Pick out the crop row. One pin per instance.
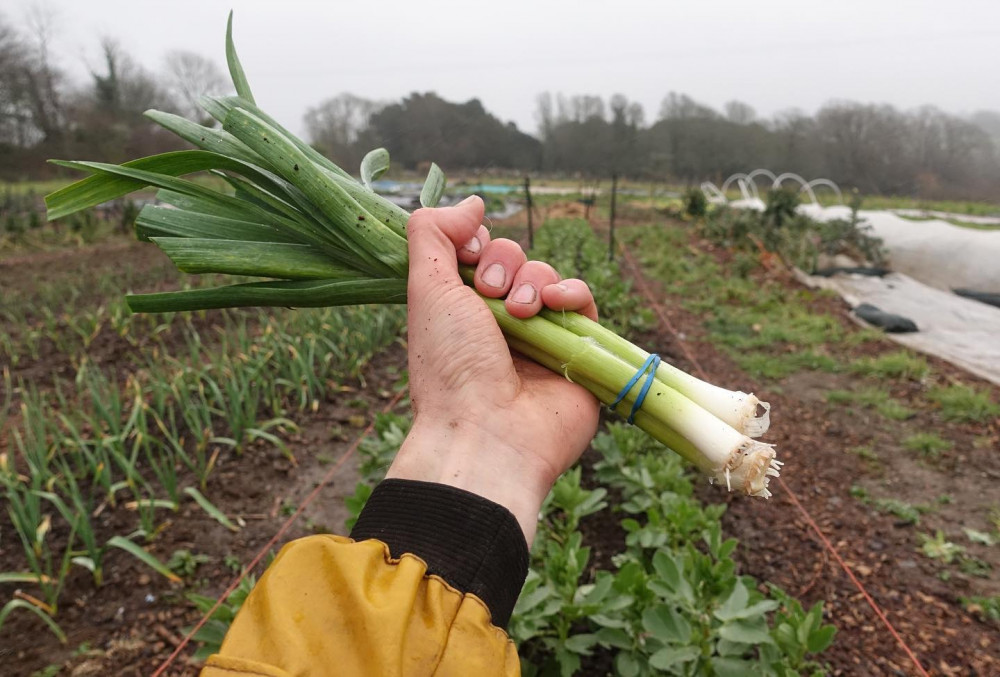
(140, 442)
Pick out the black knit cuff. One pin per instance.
(474, 544)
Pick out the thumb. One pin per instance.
(434, 235)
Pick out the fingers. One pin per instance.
(471, 251)
(435, 235)
(525, 299)
(573, 295)
(498, 264)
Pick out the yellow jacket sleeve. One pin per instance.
(402, 603)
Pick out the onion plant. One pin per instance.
(321, 238)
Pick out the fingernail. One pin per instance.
(494, 276)
(524, 294)
(472, 246)
(467, 200)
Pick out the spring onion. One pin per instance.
(323, 238)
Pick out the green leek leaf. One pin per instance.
(259, 259)
(235, 67)
(164, 222)
(374, 165)
(297, 294)
(149, 560)
(21, 604)
(208, 507)
(433, 188)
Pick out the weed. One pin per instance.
(986, 607)
(906, 512)
(973, 566)
(184, 563)
(964, 403)
(927, 445)
(939, 548)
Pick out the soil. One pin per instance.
(129, 625)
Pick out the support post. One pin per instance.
(527, 199)
(611, 229)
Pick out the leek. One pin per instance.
(324, 239)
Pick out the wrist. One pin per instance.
(467, 456)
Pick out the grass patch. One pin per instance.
(872, 398)
(898, 364)
(964, 403)
(928, 445)
(862, 336)
(763, 365)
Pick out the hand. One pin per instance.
(492, 423)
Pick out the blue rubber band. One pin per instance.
(652, 361)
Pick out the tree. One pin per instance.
(336, 125)
(424, 128)
(682, 107)
(190, 76)
(108, 122)
(739, 113)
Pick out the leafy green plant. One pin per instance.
(377, 451)
(211, 634)
(671, 606)
(695, 203)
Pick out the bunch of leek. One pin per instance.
(325, 239)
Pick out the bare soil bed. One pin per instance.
(813, 438)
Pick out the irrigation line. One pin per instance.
(327, 478)
(668, 325)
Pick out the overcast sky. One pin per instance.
(772, 55)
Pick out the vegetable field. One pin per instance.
(145, 460)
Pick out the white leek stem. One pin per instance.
(736, 408)
(718, 450)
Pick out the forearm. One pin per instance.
(469, 456)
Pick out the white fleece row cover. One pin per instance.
(959, 330)
(935, 252)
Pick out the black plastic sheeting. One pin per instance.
(981, 296)
(896, 324)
